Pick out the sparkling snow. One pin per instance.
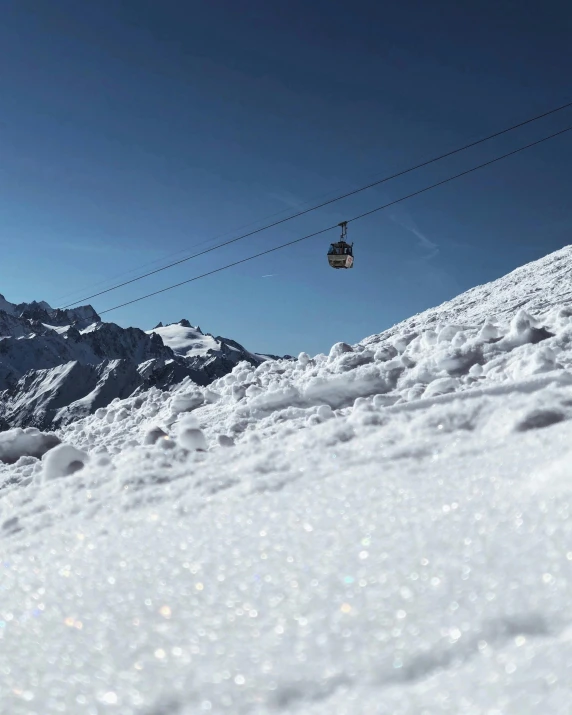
(383, 530)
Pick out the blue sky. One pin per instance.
(134, 130)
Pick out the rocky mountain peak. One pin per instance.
(71, 362)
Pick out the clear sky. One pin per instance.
(133, 130)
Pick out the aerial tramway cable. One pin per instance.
(330, 228)
(325, 203)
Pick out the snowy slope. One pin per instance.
(216, 356)
(58, 365)
(535, 287)
(184, 339)
(383, 530)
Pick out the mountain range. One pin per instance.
(59, 365)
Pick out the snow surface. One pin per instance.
(382, 530)
(186, 341)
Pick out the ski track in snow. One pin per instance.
(383, 530)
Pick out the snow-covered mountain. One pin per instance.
(58, 365)
(383, 530)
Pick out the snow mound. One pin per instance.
(28, 442)
(63, 460)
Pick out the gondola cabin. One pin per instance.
(341, 254)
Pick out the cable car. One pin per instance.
(341, 254)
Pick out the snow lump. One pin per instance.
(29, 442)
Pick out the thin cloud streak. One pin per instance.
(406, 222)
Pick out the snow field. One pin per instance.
(384, 530)
(185, 340)
(279, 396)
(418, 566)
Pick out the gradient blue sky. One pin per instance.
(132, 130)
